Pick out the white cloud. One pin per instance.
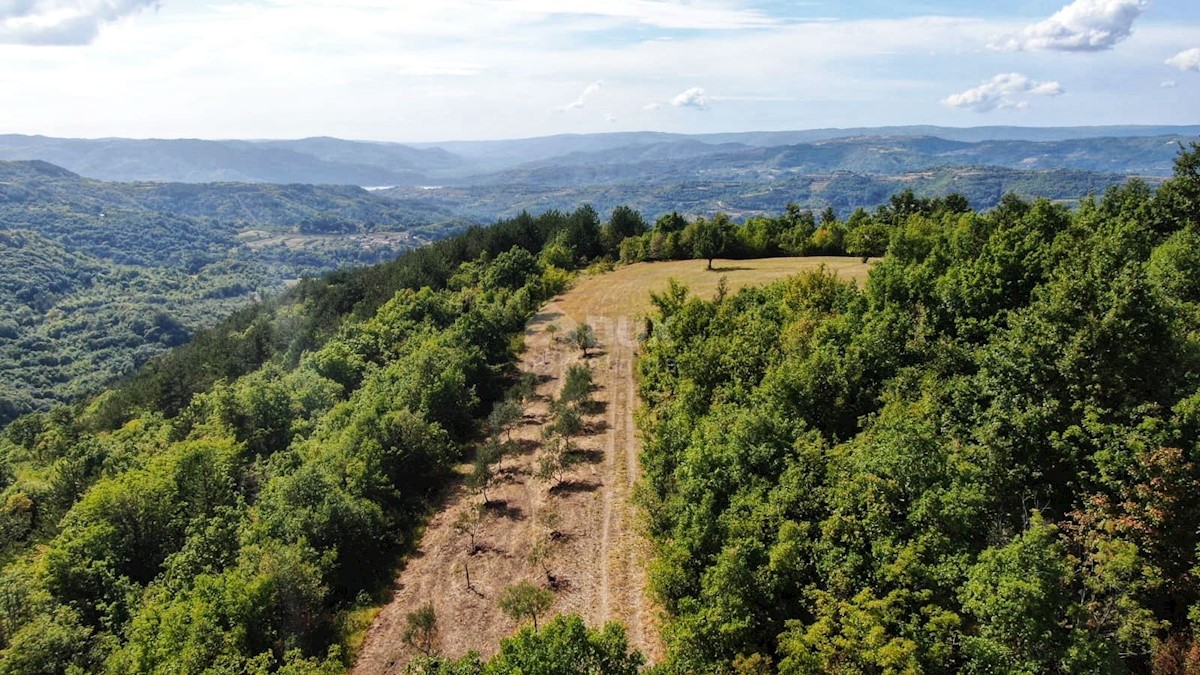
(1188, 59)
(1168, 84)
(692, 98)
(1082, 26)
(588, 91)
(1002, 91)
(61, 22)
(610, 118)
(410, 71)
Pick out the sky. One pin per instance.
(428, 70)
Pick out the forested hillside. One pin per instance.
(705, 188)
(984, 461)
(235, 505)
(325, 160)
(97, 277)
(981, 461)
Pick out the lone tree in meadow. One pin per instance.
(558, 455)
(505, 417)
(577, 386)
(712, 237)
(526, 600)
(483, 474)
(421, 630)
(584, 337)
(525, 389)
(467, 525)
(540, 555)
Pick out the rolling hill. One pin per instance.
(334, 161)
(97, 277)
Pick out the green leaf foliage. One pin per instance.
(984, 460)
(228, 507)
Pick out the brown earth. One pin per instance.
(599, 561)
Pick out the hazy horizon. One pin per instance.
(440, 141)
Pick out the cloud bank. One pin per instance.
(61, 22)
(1082, 26)
(1002, 91)
(1188, 59)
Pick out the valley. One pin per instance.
(649, 337)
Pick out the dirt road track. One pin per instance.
(602, 559)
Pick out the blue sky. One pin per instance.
(411, 70)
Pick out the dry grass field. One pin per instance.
(600, 558)
(625, 292)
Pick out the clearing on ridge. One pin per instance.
(598, 555)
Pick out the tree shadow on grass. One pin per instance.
(502, 509)
(589, 456)
(574, 486)
(522, 446)
(595, 428)
(593, 407)
(510, 475)
(557, 583)
(546, 317)
(730, 268)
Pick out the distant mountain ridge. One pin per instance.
(324, 160)
(545, 147)
(310, 161)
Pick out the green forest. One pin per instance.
(984, 461)
(234, 505)
(981, 461)
(95, 278)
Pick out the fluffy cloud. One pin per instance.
(1082, 26)
(61, 22)
(1002, 91)
(583, 97)
(1168, 84)
(1188, 59)
(692, 98)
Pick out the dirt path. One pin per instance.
(597, 561)
(600, 560)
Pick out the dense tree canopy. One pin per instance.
(231, 507)
(983, 461)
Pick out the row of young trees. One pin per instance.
(795, 232)
(565, 644)
(985, 461)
